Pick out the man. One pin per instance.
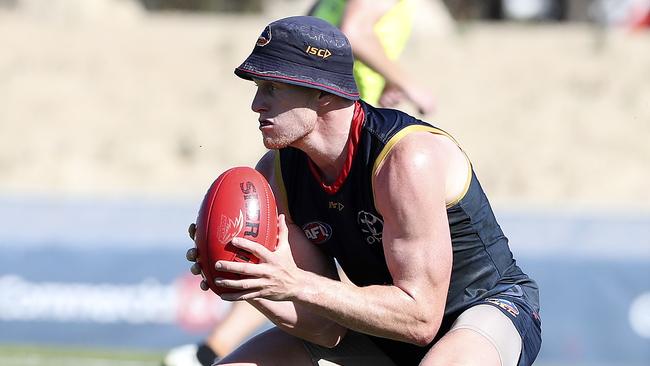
(395, 202)
(379, 30)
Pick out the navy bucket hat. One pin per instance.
(305, 51)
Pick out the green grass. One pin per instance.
(22, 355)
(28, 355)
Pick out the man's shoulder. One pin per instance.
(385, 123)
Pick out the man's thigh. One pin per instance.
(272, 347)
(482, 335)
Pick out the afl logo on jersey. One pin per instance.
(318, 232)
(264, 38)
(371, 226)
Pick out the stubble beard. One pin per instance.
(289, 137)
(276, 142)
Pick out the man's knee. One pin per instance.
(482, 335)
(462, 347)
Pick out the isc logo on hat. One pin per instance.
(320, 52)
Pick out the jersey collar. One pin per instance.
(353, 141)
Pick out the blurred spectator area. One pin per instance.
(550, 10)
(605, 11)
(7, 4)
(234, 6)
(460, 9)
(601, 11)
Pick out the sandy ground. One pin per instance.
(145, 105)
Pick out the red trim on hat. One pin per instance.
(298, 80)
(353, 141)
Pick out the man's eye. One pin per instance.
(268, 88)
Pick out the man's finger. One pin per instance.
(192, 254)
(195, 269)
(204, 286)
(248, 269)
(192, 230)
(283, 229)
(247, 284)
(256, 249)
(239, 296)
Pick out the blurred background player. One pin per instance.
(378, 31)
(241, 322)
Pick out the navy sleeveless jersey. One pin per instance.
(345, 224)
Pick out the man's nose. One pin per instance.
(258, 103)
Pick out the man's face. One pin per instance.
(287, 113)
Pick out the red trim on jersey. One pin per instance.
(353, 140)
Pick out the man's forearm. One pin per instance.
(383, 311)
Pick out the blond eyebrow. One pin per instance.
(267, 82)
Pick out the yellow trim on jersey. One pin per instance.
(468, 181)
(279, 181)
(379, 161)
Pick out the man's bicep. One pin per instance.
(419, 264)
(410, 195)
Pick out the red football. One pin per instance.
(239, 203)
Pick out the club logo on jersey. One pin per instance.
(230, 228)
(318, 232)
(264, 38)
(371, 226)
(506, 305)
